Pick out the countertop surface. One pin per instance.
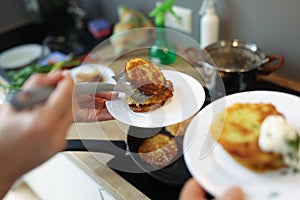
(115, 130)
(125, 185)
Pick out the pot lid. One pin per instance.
(235, 56)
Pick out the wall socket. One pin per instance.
(184, 23)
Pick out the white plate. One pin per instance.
(187, 99)
(105, 71)
(20, 56)
(216, 171)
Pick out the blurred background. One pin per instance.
(272, 24)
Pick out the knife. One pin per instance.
(22, 99)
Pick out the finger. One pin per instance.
(192, 191)
(65, 123)
(234, 193)
(85, 101)
(104, 115)
(91, 102)
(99, 103)
(43, 80)
(61, 130)
(92, 115)
(60, 101)
(107, 95)
(81, 115)
(86, 115)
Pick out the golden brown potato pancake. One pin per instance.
(145, 76)
(149, 80)
(159, 150)
(237, 129)
(178, 129)
(154, 102)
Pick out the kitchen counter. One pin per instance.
(83, 165)
(121, 185)
(117, 184)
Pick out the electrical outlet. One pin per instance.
(184, 23)
(31, 6)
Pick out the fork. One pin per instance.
(22, 99)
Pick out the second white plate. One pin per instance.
(216, 171)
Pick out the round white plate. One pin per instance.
(106, 72)
(216, 171)
(187, 99)
(20, 56)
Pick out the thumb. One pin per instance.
(233, 193)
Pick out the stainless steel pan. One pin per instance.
(237, 62)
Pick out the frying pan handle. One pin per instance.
(268, 68)
(113, 147)
(117, 148)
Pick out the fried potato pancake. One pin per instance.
(159, 149)
(154, 102)
(178, 129)
(237, 129)
(145, 76)
(149, 80)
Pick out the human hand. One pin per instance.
(192, 190)
(90, 108)
(30, 137)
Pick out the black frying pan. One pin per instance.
(174, 174)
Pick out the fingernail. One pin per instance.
(66, 72)
(54, 73)
(114, 95)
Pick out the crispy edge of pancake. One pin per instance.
(144, 75)
(271, 162)
(154, 102)
(178, 129)
(245, 149)
(159, 149)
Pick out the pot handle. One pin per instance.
(268, 68)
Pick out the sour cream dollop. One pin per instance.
(278, 136)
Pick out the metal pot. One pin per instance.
(238, 64)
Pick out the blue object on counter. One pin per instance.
(54, 57)
(99, 28)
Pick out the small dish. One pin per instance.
(105, 72)
(20, 56)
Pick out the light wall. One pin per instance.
(272, 24)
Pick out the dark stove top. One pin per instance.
(155, 189)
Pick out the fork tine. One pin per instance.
(125, 86)
(139, 97)
(118, 76)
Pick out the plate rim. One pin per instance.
(106, 69)
(187, 149)
(9, 51)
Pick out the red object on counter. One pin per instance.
(99, 28)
